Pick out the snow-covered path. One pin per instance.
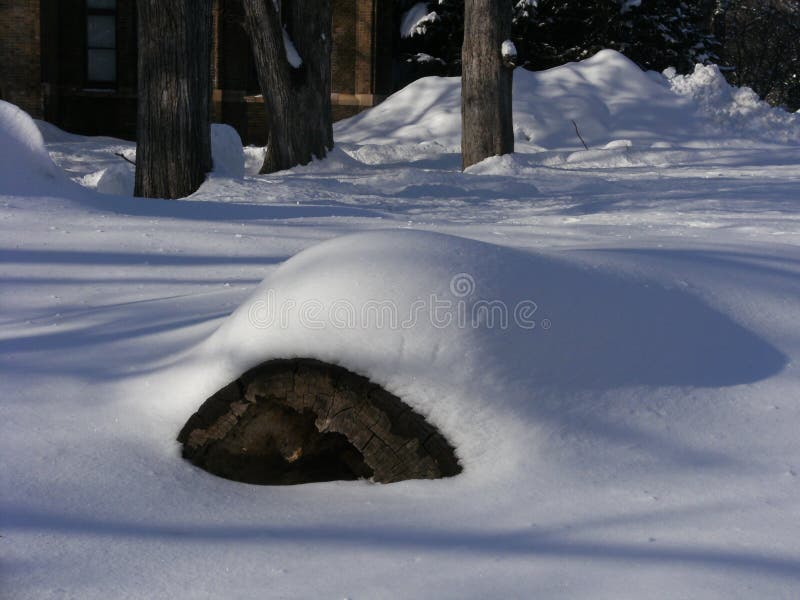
(626, 483)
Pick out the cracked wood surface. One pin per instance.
(300, 420)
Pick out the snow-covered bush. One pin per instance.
(736, 110)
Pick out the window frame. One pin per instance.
(100, 12)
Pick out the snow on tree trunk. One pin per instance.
(173, 128)
(293, 61)
(486, 81)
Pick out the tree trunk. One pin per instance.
(173, 152)
(297, 98)
(486, 116)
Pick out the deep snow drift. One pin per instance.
(611, 101)
(607, 96)
(472, 334)
(24, 161)
(639, 440)
(116, 158)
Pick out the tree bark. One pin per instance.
(486, 115)
(173, 152)
(302, 420)
(297, 99)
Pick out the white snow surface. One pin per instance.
(24, 161)
(119, 179)
(639, 441)
(733, 108)
(98, 166)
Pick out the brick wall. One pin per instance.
(20, 67)
(343, 52)
(49, 80)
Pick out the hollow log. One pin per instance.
(302, 420)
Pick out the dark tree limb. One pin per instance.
(173, 151)
(125, 158)
(578, 133)
(486, 114)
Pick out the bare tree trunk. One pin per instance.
(486, 77)
(297, 97)
(173, 152)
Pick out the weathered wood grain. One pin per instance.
(302, 420)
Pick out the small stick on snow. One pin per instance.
(123, 157)
(579, 134)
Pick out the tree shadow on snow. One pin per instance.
(559, 543)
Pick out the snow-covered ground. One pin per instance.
(640, 441)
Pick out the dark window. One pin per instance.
(101, 41)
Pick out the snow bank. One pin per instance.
(25, 165)
(53, 134)
(735, 110)
(471, 334)
(119, 180)
(606, 96)
(227, 151)
(337, 160)
(427, 109)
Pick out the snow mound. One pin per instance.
(53, 134)
(25, 165)
(472, 335)
(254, 159)
(336, 161)
(427, 109)
(119, 180)
(513, 165)
(734, 109)
(607, 97)
(227, 151)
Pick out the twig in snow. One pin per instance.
(123, 157)
(579, 134)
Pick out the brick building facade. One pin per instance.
(73, 63)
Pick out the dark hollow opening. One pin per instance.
(274, 444)
(302, 420)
